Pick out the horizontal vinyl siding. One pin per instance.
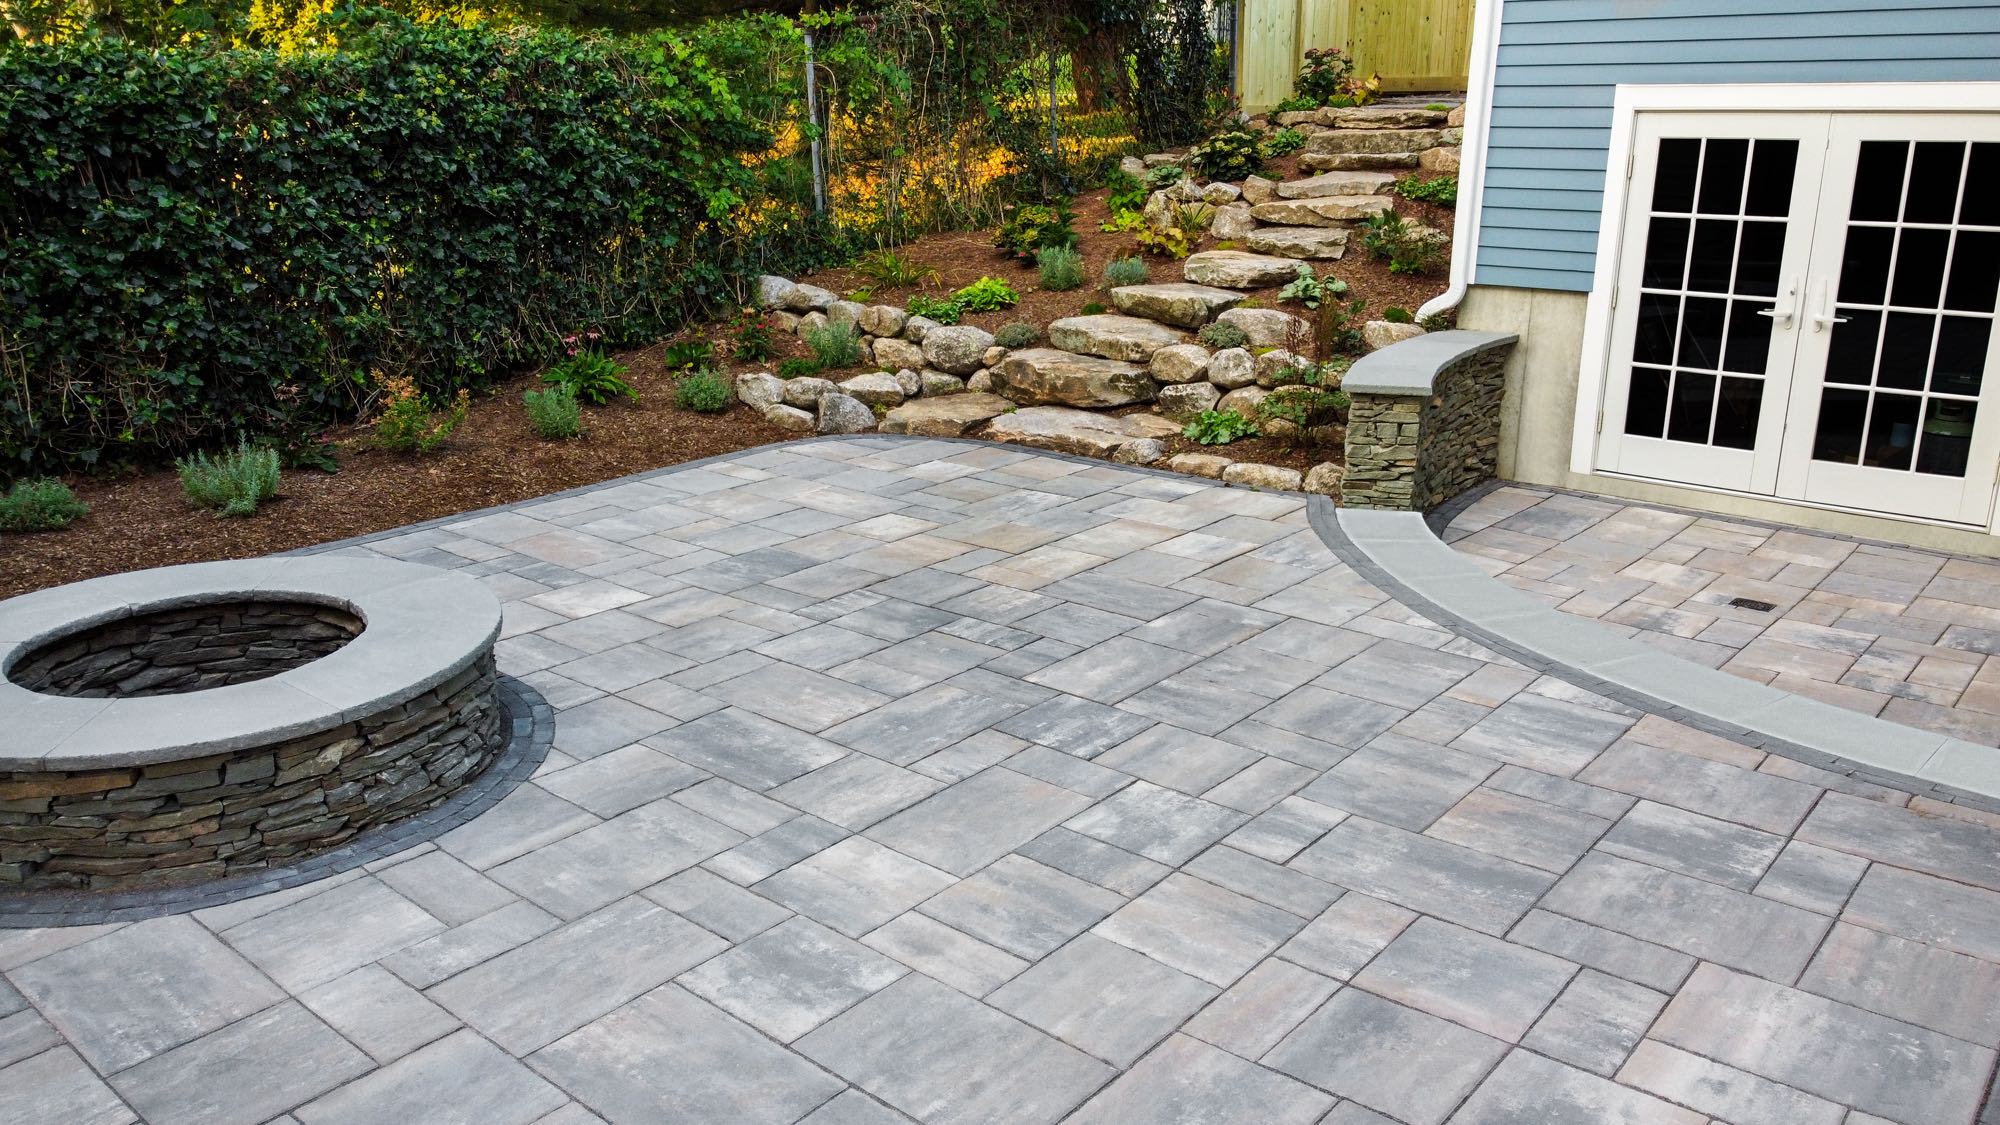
(1560, 60)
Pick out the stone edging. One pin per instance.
(531, 730)
(423, 626)
(1411, 367)
(1398, 552)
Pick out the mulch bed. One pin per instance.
(141, 520)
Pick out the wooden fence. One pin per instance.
(1412, 44)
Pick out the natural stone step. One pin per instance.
(1235, 269)
(1181, 304)
(1325, 211)
(1440, 161)
(1266, 328)
(1129, 338)
(1046, 376)
(1066, 430)
(949, 416)
(1374, 140)
(1358, 161)
(1336, 183)
(1312, 243)
(1380, 117)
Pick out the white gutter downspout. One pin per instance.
(1484, 62)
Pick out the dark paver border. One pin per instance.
(531, 730)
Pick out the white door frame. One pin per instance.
(1629, 101)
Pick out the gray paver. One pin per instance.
(1489, 985)
(1526, 1089)
(1460, 885)
(379, 1013)
(1024, 907)
(855, 885)
(938, 951)
(791, 978)
(243, 1074)
(1187, 1082)
(1724, 1091)
(600, 865)
(1400, 781)
(1156, 822)
(1200, 928)
(1102, 997)
(1692, 844)
(1596, 1022)
(1411, 1066)
(57, 1086)
(978, 820)
(1261, 1008)
(459, 1080)
(747, 749)
(856, 791)
(1910, 981)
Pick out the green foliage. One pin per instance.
(988, 294)
(944, 310)
(834, 345)
(1229, 155)
(1127, 192)
(1338, 331)
(188, 231)
(1437, 189)
(1036, 226)
(1180, 74)
(888, 268)
(1438, 107)
(1061, 267)
(1284, 142)
(1092, 308)
(596, 378)
(1125, 271)
(554, 412)
(798, 368)
(1221, 337)
(1396, 314)
(40, 505)
(703, 392)
(1297, 103)
(1218, 427)
(1173, 242)
(1123, 221)
(688, 355)
(231, 483)
(1308, 404)
(1326, 77)
(409, 424)
(1310, 290)
(752, 336)
(1408, 247)
(1439, 322)
(1163, 176)
(1017, 335)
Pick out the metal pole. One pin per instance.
(812, 125)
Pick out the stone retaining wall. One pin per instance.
(1424, 422)
(202, 818)
(189, 649)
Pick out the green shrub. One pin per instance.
(1127, 192)
(40, 505)
(1125, 271)
(1218, 427)
(1396, 314)
(554, 412)
(752, 336)
(944, 310)
(1169, 242)
(189, 232)
(1092, 308)
(798, 368)
(1220, 336)
(1284, 142)
(1408, 247)
(409, 424)
(1164, 176)
(594, 377)
(1437, 189)
(1323, 75)
(886, 267)
(1229, 155)
(231, 483)
(835, 345)
(703, 392)
(988, 294)
(1439, 322)
(1297, 103)
(1036, 226)
(1017, 335)
(1338, 328)
(1061, 267)
(688, 355)
(1310, 290)
(1308, 405)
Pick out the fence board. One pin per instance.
(1412, 44)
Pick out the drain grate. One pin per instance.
(1752, 603)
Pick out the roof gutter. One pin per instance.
(1484, 61)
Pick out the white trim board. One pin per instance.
(1631, 100)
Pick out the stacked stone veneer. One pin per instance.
(189, 649)
(1424, 423)
(201, 818)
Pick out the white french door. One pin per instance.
(1804, 308)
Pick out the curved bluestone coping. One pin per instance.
(421, 627)
(1410, 367)
(1424, 571)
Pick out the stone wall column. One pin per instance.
(1424, 421)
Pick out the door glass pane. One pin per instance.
(1919, 268)
(1758, 258)
(1842, 413)
(1714, 251)
(1934, 175)
(1960, 366)
(1906, 351)
(1694, 403)
(1878, 181)
(1892, 432)
(1975, 270)
(1722, 168)
(1947, 437)
(1701, 332)
(1980, 205)
(1736, 412)
(1673, 182)
(1646, 409)
(1659, 319)
(1864, 267)
(1666, 254)
(1771, 173)
(1749, 346)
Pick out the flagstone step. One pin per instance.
(1360, 161)
(1374, 140)
(1236, 269)
(1324, 211)
(1052, 377)
(1129, 338)
(1181, 304)
(1133, 437)
(1336, 183)
(1311, 243)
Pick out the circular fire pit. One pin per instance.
(174, 725)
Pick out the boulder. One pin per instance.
(895, 354)
(1133, 167)
(1208, 465)
(1383, 162)
(1323, 211)
(788, 418)
(809, 298)
(1452, 138)
(774, 292)
(1130, 338)
(949, 416)
(759, 389)
(1231, 368)
(1220, 194)
(1293, 117)
(846, 312)
(805, 391)
(1045, 376)
(1067, 430)
(1381, 117)
(1374, 140)
(1324, 478)
(1442, 161)
(1456, 118)
(1337, 183)
(980, 382)
(1257, 189)
(877, 388)
(1154, 160)
(1182, 363)
(1244, 401)
(1140, 451)
(1379, 334)
(917, 327)
(883, 320)
(1267, 328)
(783, 321)
(1279, 367)
(1234, 269)
(993, 355)
(911, 382)
(1182, 304)
(936, 383)
(1185, 400)
(1232, 223)
(1261, 476)
(956, 349)
(1310, 243)
(809, 322)
(844, 414)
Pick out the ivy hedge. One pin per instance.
(202, 243)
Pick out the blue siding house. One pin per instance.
(1753, 250)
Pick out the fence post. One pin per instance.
(812, 127)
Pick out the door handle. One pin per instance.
(1785, 317)
(1824, 318)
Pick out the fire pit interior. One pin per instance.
(192, 648)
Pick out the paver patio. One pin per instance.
(923, 780)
